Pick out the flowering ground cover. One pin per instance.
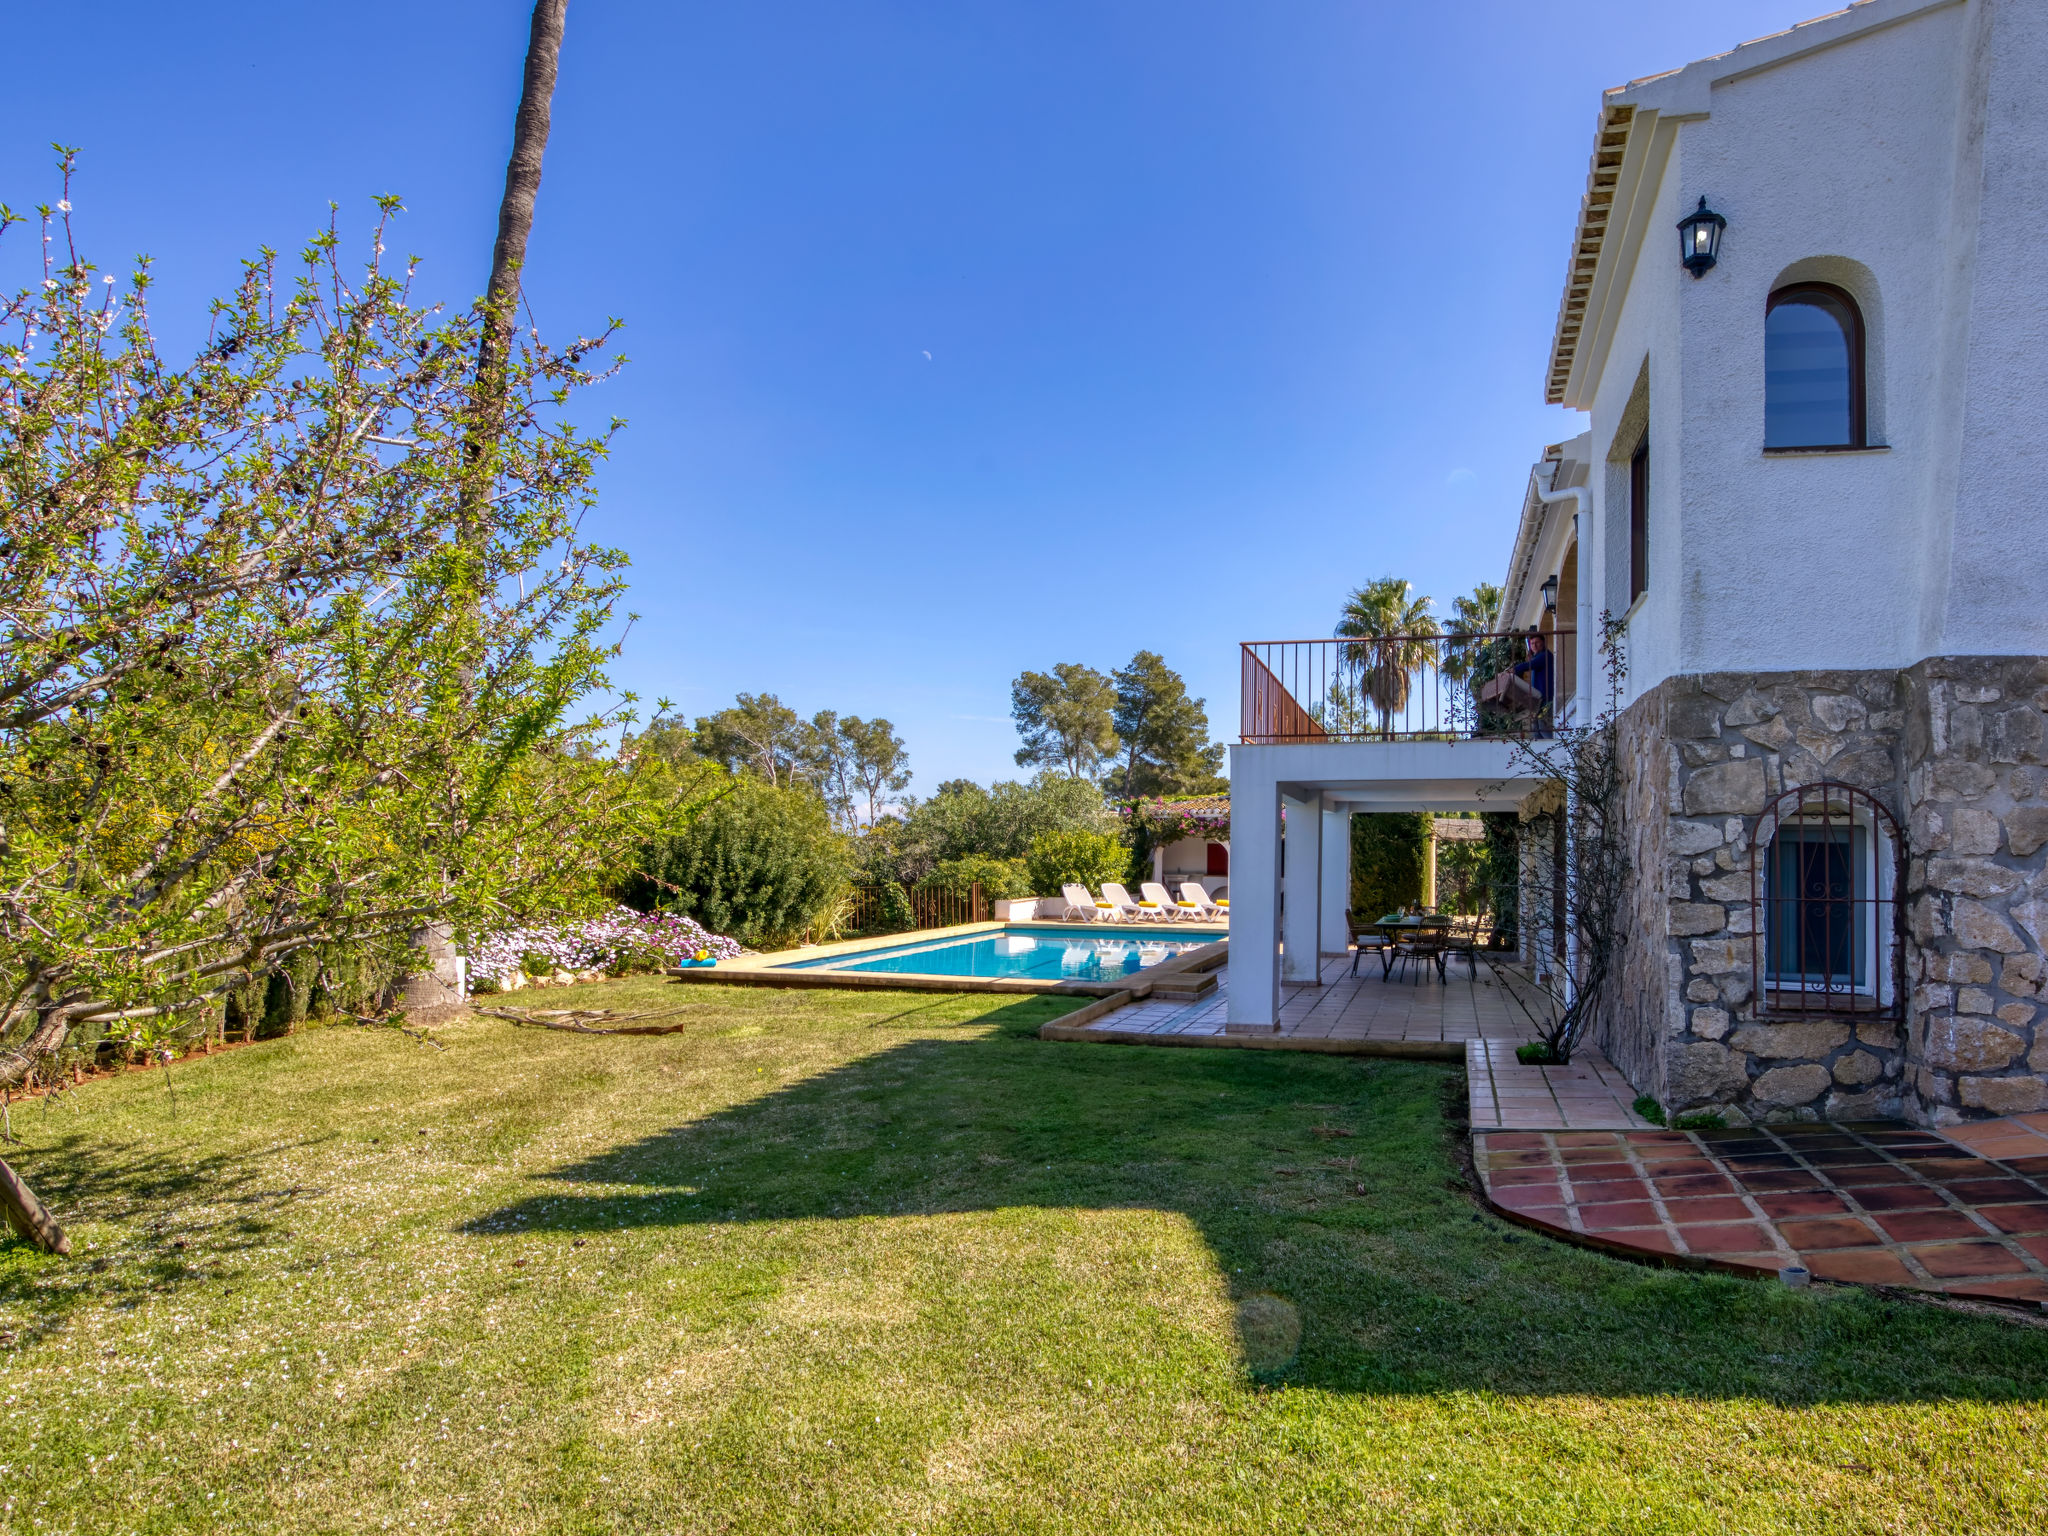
(881, 1262)
(612, 939)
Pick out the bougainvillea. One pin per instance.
(1206, 817)
(619, 939)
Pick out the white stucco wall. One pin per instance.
(1907, 163)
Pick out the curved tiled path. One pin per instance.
(1873, 1204)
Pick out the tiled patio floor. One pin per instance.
(1588, 1095)
(1872, 1204)
(1351, 1008)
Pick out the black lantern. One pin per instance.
(1550, 595)
(1699, 239)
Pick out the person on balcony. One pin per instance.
(1539, 669)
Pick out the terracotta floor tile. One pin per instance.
(2037, 1246)
(1509, 1159)
(1649, 1239)
(1722, 1208)
(1817, 1202)
(1779, 1179)
(1608, 1191)
(2037, 1120)
(1927, 1226)
(2029, 1289)
(1869, 1173)
(1832, 1158)
(1672, 1167)
(1516, 1141)
(1944, 1260)
(1594, 1173)
(1990, 1191)
(1819, 1141)
(1572, 1157)
(1842, 1232)
(1549, 1215)
(2033, 1167)
(1760, 1160)
(1863, 1266)
(1688, 1185)
(2031, 1216)
(1588, 1138)
(1658, 1139)
(1620, 1213)
(1726, 1237)
(1899, 1197)
(1770, 1261)
(1511, 1176)
(1944, 1169)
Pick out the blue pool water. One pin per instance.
(1033, 953)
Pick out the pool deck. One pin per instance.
(1185, 975)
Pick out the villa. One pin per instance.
(1805, 317)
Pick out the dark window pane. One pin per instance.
(1808, 390)
(1815, 925)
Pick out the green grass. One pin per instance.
(877, 1262)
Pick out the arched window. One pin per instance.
(1813, 368)
(1825, 881)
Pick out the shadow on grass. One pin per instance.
(1328, 1181)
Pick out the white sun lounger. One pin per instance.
(1080, 904)
(1127, 908)
(1175, 911)
(1192, 895)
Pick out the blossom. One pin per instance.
(618, 937)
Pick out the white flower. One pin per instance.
(65, 206)
(108, 278)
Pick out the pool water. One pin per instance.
(1035, 954)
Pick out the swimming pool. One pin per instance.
(1035, 954)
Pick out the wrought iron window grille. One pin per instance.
(1825, 872)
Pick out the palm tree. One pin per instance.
(1399, 629)
(1465, 658)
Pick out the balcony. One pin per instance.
(1403, 688)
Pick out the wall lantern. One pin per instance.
(1699, 239)
(1550, 595)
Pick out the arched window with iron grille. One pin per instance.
(1824, 885)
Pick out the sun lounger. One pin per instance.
(1178, 911)
(1192, 895)
(1127, 909)
(1083, 906)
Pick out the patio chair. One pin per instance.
(1080, 904)
(1425, 945)
(1368, 939)
(1127, 910)
(1152, 891)
(1192, 895)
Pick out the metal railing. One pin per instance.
(929, 906)
(1403, 688)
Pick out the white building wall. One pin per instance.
(1909, 165)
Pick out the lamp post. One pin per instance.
(1699, 239)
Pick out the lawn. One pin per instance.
(881, 1262)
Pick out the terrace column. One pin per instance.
(1301, 919)
(1429, 864)
(1336, 881)
(1253, 999)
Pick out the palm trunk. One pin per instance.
(441, 986)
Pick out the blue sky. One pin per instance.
(965, 337)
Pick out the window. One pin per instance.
(1639, 520)
(1813, 369)
(1826, 886)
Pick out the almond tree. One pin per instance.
(291, 635)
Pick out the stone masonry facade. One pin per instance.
(1956, 750)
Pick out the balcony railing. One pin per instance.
(1402, 688)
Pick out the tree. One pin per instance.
(1468, 659)
(275, 677)
(762, 864)
(1075, 856)
(761, 733)
(963, 820)
(876, 760)
(1065, 719)
(1164, 734)
(1398, 629)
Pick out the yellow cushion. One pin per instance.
(1188, 904)
(1148, 903)
(1105, 903)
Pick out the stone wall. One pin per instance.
(1977, 885)
(1957, 750)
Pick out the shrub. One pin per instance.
(1386, 862)
(762, 864)
(1000, 879)
(892, 910)
(1076, 857)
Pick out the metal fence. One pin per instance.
(928, 906)
(1404, 687)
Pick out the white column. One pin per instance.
(1253, 1000)
(1301, 917)
(1336, 881)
